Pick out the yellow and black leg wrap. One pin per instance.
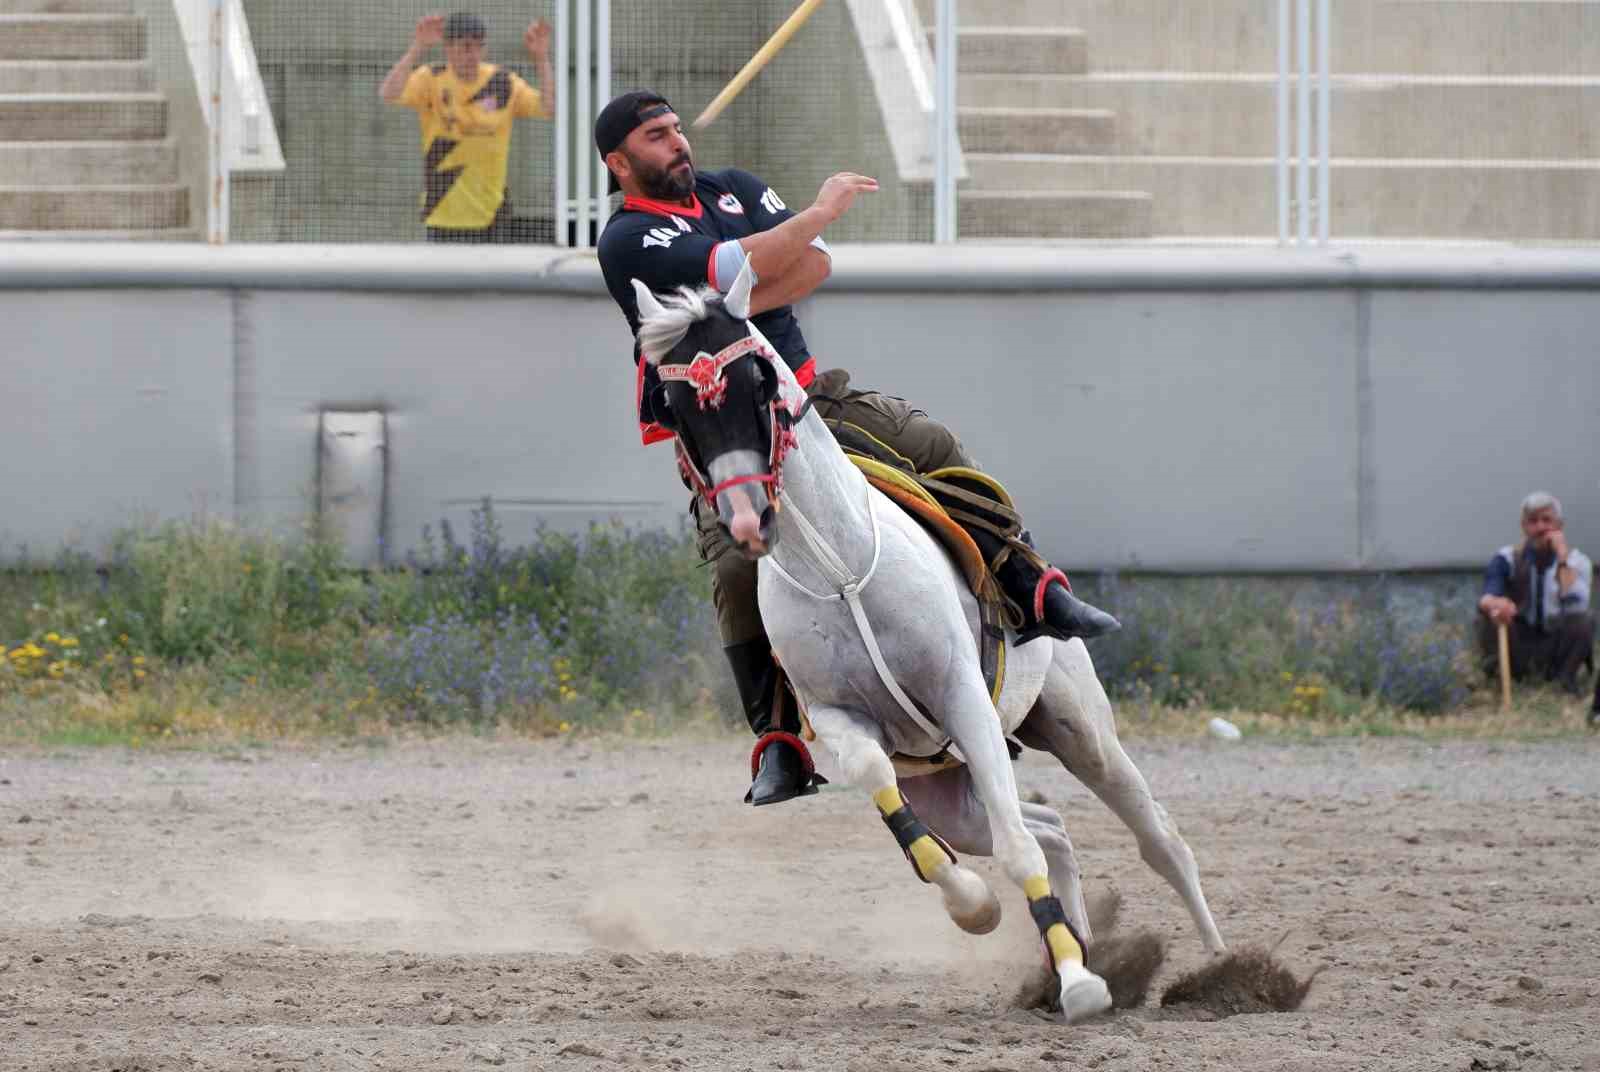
(1061, 941)
(925, 849)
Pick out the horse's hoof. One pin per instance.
(980, 921)
(1083, 994)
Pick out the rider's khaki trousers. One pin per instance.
(926, 443)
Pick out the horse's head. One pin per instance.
(721, 396)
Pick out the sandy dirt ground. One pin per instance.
(599, 905)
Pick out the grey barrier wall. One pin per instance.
(1189, 410)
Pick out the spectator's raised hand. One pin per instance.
(536, 39)
(430, 31)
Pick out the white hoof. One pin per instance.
(1083, 993)
(969, 901)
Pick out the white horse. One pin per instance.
(877, 632)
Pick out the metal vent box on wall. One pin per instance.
(352, 462)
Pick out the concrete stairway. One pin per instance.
(84, 147)
(1004, 48)
(1451, 119)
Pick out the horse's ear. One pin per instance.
(737, 303)
(649, 305)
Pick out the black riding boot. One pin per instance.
(781, 767)
(1065, 615)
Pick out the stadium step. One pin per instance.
(82, 116)
(1007, 49)
(66, 7)
(1209, 197)
(164, 234)
(71, 37)
(97, 208)
(1415, 37)
(1196, 114)
(61, 163)
(76, 76)
(1053, 214)
(1036, 130)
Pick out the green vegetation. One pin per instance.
(200, 632)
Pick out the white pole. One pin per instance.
(1324, 109)
(1303, 122)
(583, 116)
(1283, 122)
(562, 49)
(602, 96)
(217, 174)
(944, 122)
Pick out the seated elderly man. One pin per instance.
(1540, 590)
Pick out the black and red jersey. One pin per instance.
(667, 244)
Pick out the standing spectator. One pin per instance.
(465, 107)
(1540, 590)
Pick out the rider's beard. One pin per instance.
(666, 184)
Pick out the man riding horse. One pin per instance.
(678, 227)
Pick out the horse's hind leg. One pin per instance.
(1073, 722)
(858, 746)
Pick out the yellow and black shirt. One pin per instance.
(466, 137)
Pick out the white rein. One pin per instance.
(850, 588)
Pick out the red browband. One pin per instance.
(704, 373)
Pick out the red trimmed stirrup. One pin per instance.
(773, 737)
(1051, 574)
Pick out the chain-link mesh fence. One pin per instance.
(1086, 119)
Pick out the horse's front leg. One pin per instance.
(970, 720)
(1073, 721)
(859, 749)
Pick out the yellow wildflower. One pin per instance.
(138, 660)
(565, 727)
(138, 674)
(69, 642)
(52, 638)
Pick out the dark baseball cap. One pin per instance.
(464, 24)
(622, 117)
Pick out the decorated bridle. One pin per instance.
(706, 375)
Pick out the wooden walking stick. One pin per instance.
(1504, 638)
(763, 56)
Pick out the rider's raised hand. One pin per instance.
(839, 192)
(430, 31)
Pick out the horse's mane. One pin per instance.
(659, 334)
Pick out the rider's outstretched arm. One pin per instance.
(787, 257)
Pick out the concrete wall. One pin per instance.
(1182, 410)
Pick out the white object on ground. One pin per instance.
(1222, 729)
